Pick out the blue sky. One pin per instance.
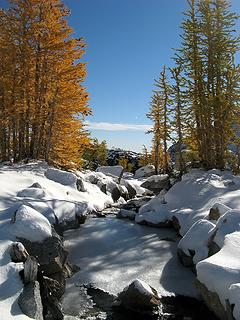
(128, 42)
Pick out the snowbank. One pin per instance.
(196, 239)
(222, 270)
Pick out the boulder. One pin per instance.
(50, 253)
(18, 252)
(156, 183)
(186, 260)
(135, 204)
(30, 301)
(217, 210)
(116, 171)
(132, 192)
(126, 214)
(213, 301)
(144, 172)
(141, 298)
(36, 185)
(80, 185)
(116, 193)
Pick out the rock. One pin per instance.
(116, 194)
(36, 185)
(144, 172)
(126, 214)
(163, 224)
(217, 210)
(30, 269)
(103, 188)
(139, 297)
(156, 183)
(135, 204)
(131, 190)
(213, 301)
(50, 253)
(116, 171)
(186, 260)
(18, 252)
(80, 185)
(124, 192)
(36, 193)
(30, 301)
(176, 224)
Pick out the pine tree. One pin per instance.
(159, 114)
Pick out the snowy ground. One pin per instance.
(112, 253)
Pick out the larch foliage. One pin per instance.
(42, 98)
(159, 114)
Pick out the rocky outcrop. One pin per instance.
(157, 183)
(30, 301)
(140, 298)
(18, 252)
(136, 204)
(213, 302)
(186, 260)
(144, 172)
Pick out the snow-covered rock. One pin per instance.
(234, 298)
(139, 297)
(194, 244)
(145, 171)
(228, 223)
(156, 183)
(35, 193)
(116, 171)
(30, 224)
(217, 210)
(63, 177)
(220, 271)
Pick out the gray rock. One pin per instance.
(213, 301)
(116, 194)
(164, 224)
(214, 214)
(36, 185)
(18, 252)
(135, 204)
(50, 253)
(103, 188)
(131, 190)
(80, 185)
(129, 214)
(30, 301)
(176, 224)
(157, 183)
(186, 260)
(139, 299)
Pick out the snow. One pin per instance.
(221, 270)
(35, 193)
(234, 298)
(30, 225)
(62, 177)
(112, 253)
(197, 239)
(227, 224)
(142, 287)
(145, 171)
(157, 178)
(191, 199)
(112, 170)
(36, 209)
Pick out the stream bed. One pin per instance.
(111, 253)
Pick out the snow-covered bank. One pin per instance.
(33, 196)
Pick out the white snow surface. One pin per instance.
(234, 298)
(35, 209)
(221, 270)
(197, 239)
(191, 199)
(112, 253)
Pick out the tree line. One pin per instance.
(42, 98)
(196, 102)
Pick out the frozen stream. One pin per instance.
(112, 252)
